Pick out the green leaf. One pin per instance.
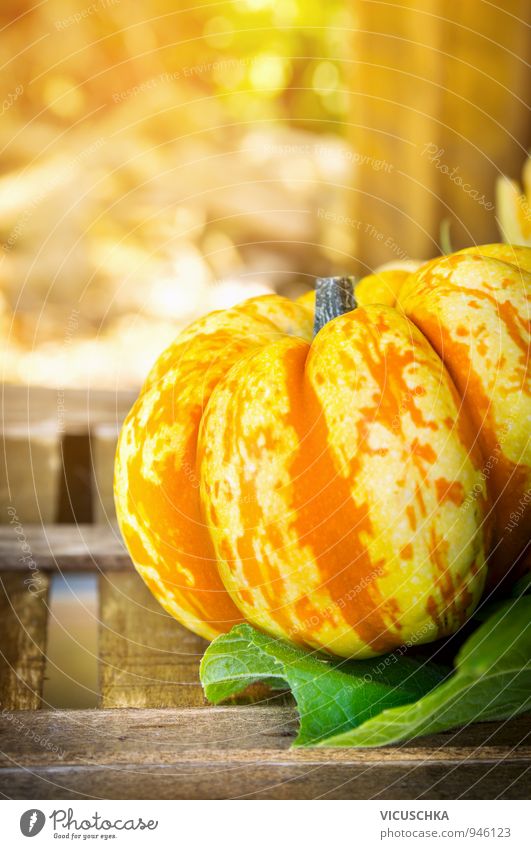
(522, 586)
(492, 681)
(332, 695)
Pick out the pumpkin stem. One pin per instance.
(334, 296)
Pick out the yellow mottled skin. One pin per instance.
(320, 465)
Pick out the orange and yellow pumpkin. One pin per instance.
(347, 490)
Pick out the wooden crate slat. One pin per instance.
(234, 733)
(30, 473)
(146, 658)
(66, 411)
(244, 752)
(66, 547)
(47, 475)
(263, 781)
(23, 618)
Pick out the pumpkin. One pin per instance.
(347, 489)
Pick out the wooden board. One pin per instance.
(74, 411)
(23, 616)
(146, 658)
(30, 474)
(244, 752)
(69, 548)
(58, 452)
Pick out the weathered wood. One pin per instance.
(233, 780)
(146, 658)
(66, 547)
(23, 616)
(30, 473)
(244, 732)
(72, 411)
(47, 473)
(72, 650)
(233, 752)
(436, 146)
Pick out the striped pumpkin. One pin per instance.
(345, 489)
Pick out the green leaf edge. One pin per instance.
(470, 670)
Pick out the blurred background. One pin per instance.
(158, 162)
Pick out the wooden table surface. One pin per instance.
(153, 735)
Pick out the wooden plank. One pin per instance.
(263, 781)
(66, 547)
(72, 657)
(436, 146)
(258, 732)
(23, 614)
(146, 658)
(73, 411)
(243, 752)
(30, 473)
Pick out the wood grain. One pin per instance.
(258, 781)
(73, 411)
(146, 658)
(30, 473)
(244, 752)
(446, 133)
(23, 615)
(49, 473)
(67, 547)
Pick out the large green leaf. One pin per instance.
(331, 695)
